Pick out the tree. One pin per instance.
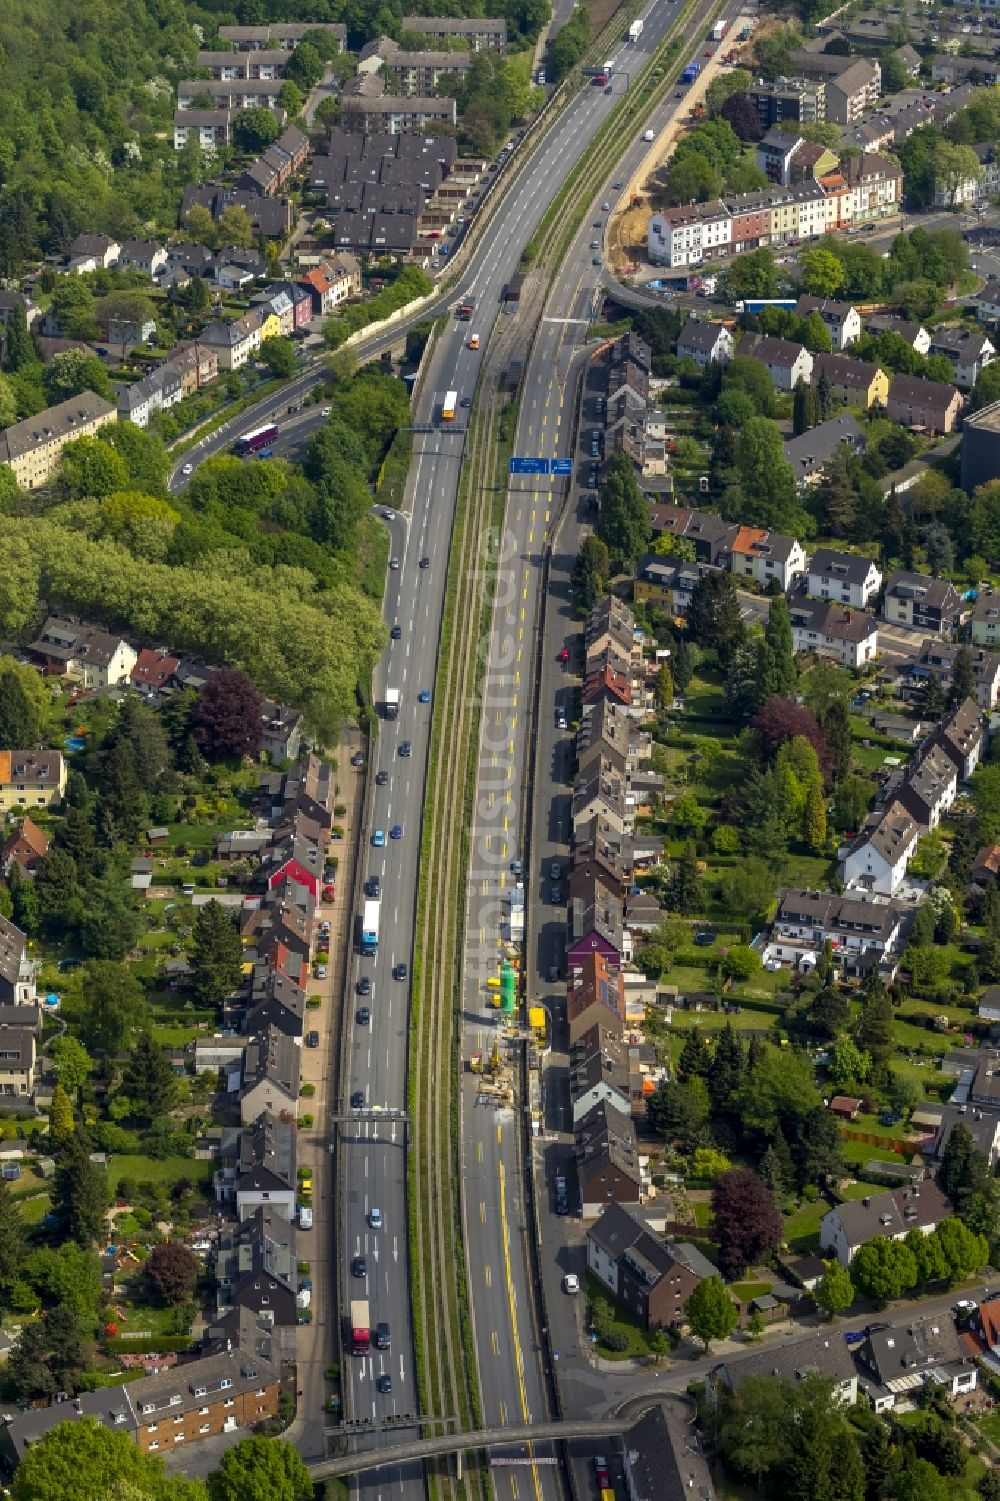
(279, 356)
(79, 1194)
(920, 1481)
(216, 954)
(91, 1462)
(260, 1469)
(883, 1269)
(817, 1147)
(711, 1312)
(71, 1063)
(822, 273)
(69, 1277)
(725, 1074)
(113, 1007)
(874, 1029)
(962, 682)
(234, 227)
(695, 1061)
(49, 1357)
(766, 478)
(590, 572)
(835, 1291)
(254, 129)
(683, 889)
(61, 1123)
(22, 706)
(805, 412)
(964, 1169)
(74, 371)
(149, 1080)
(781, 719)
(19, 351)
(226, 720)
(90, 469)
(741, 113)
(11, 1241)
(664, 686)
(752, 275)
(814, 823)
(741, 962)
(963, 1250)
(73, 307)
(713, 618)
(623, 518)
(171, 1270)
(747, 1222)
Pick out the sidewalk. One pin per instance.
(316, 1341)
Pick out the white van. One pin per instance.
(305, 1217)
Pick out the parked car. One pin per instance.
(312, 1039)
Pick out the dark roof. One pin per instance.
(699, 334)
(842, 370)
(817, 446)
(827, 562)
(830, 619)
(926, 393)
(665, 1460)
(895, 1212)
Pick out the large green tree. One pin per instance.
(711, 1312)
(261, 1469)
(91, 1462)
(766, 478)
(216, 954)
(623, 517)
(148, 1080)
(79, 1194)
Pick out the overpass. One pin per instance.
(459, 1443)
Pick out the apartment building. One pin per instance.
(32, 448)
(480, 33)
(688, 235)
(846, 577)
(259, 62)
(799, 99)
(31, 779)
(420, 73)
(394, 115)
(282, 36)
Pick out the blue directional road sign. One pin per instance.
(529, 466)
(562, 466)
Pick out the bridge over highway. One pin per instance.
(459, 1443)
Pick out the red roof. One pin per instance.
(990, 1315)
(153, 668)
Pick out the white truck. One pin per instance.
(649, 135)
(635, 31)
(719, 30)
(392, 703)
(517, 913)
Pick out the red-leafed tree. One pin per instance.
(747, 1221)
(742, 115)
(226, 719)
(172, 1272)
(781, 719)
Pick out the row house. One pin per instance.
(332, 282)
(862, 933)
(846, 577)
(927, 405)
(985, 623)
(927, 787)
(610, 1167)
(962, 735)
(276, 167)
(653, 1278)
(690, 234)
(849, 637)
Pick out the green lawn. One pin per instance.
(624, 1322)
(702, 1213)
(747, 1291)
(801, 1229)
(165, 1170)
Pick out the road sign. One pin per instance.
(529, 466)
(562, 466)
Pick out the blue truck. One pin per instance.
(691, 72)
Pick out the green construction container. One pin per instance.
(508, 989)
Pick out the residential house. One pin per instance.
(88, 252)
(766, 556)
(829, 629)
(17, 971)
(787, 363)
(846, 577)
(689, 235)
(595, 996)
(811, 162)
(234, 342)
(841, 319)
(25, 846)
(478, 33)
(985, 623)
(928, 404)
(877, 858)
(824, 1353)
(17, 1062)
(605, 1067)
(863, 933)
(704, 342)
(332, 282)
(987, 303)
(893, 1214)
(97, 659)
(31, 779)
(962, 736)
(270, 1076)
(652, 1278)
(775, 153)
(915, 334)
(143, 255)
(32, 448)
(986, 866)
(153, 673)
(875, 185)
(981, 447)
(281, 731)
(856, 382)
(897, 1362)
(610, 1167)
(927, 788)
(663, 1460)
(275, 1001)
(257, 1166)
(968, 349)
(255, 1270)
(921, 602)
(811, 452)
(937, 659)
(983, 1125)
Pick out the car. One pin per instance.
(610, 89)
(404, 749)
(327, 412)
(399, 972)
(606, 208)
(357, 759)
(364, 1016)
(466, 401)
(364, 985)
(306, 1183)
(571, 1283)
(425, 562)
(396, 632)
(595, 244)
(388, 513)
(424, 695)
(964, 1305)
(394, 564)
(705, 938)
(319, 971)
(375, 1217)
(383, 1384)
(305, 1217)
(381, 777)
(188, 469)
(878, 1328)
(556, 895)
(516, 868)
(617, 186)
(555, 870)
(359, 1267)
(358, 1099)
(396, 832)
(707, 52)
(597, 261)
(378, 839)
(373, 887)
(312, 1039)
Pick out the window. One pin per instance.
(224, 1383)
(204, 1428)
(151, 1426)
(154, 1444)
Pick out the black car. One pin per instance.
(399, 972)
(381, 778)
(396, 632)
(364, 986)
(357, 759)
(364, 1016)
(404, 749)
(425, 562)
(359, 1267)
(373, 887)
(358, 1099)
(384, 1384)
(466, 401)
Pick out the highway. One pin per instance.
(511, 1382)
